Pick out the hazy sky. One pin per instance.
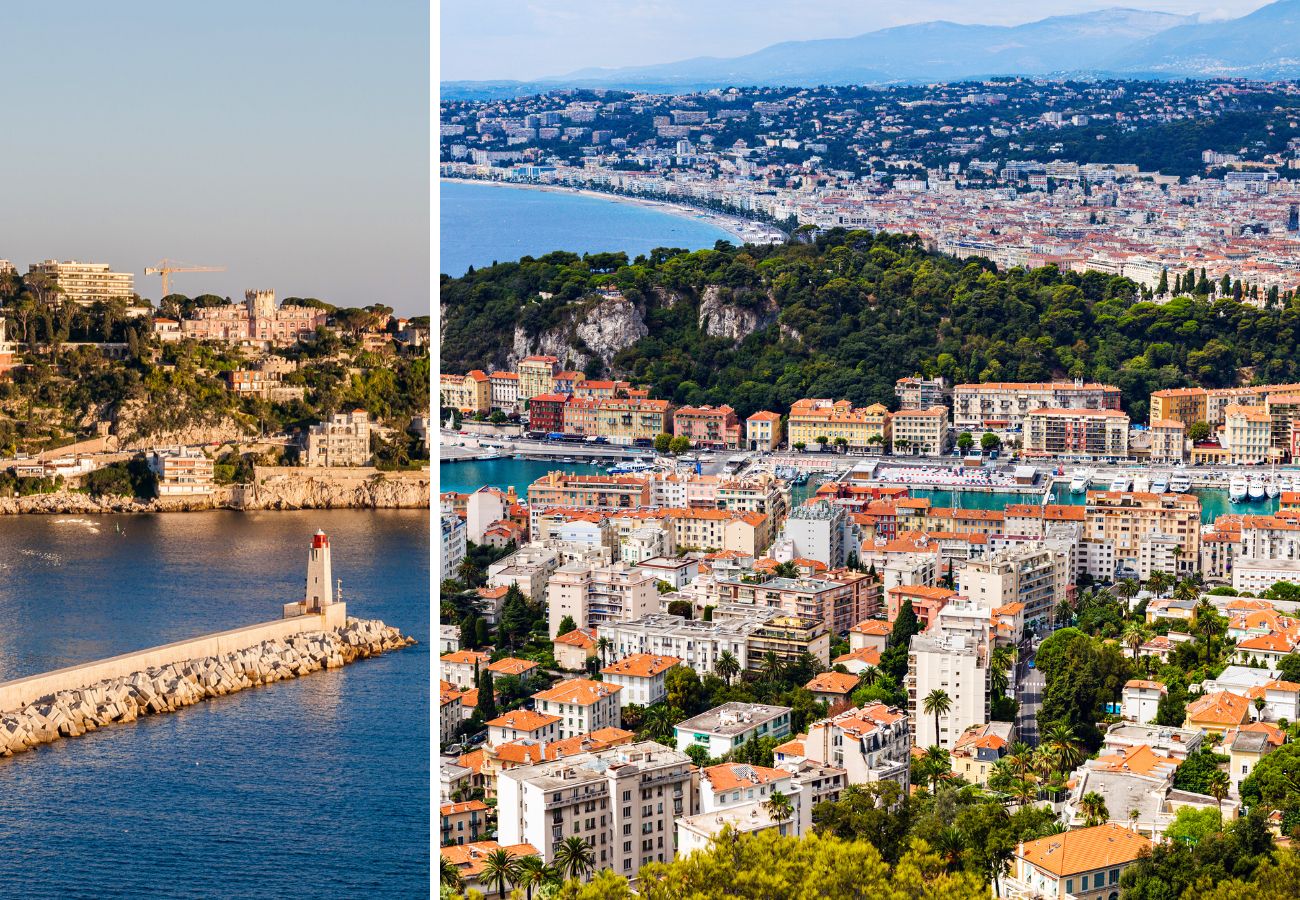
(287, 141)
(522, 39)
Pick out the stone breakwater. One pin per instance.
(72, 713)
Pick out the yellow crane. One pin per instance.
(167, 267)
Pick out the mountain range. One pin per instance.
(1264, 44)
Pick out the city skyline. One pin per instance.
(498, 40)
(288, 144)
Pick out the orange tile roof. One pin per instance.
(523, 720)
(868, 655)
(1219, 708)
(793, 747)
(641, 665)
(453, 809)
(471, 859)
(1140, 683)
(877, 627)
(579, 691)
(599, 739)
(1084, 849)
(832, 683)
(729, 776)
(512, 666)
(578, 637)
(922, 590)
(1276, 736)
(465, 657)
(1139, 760)
(1272, 643)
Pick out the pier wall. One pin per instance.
(21, 692)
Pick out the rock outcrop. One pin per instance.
(593, 330)
(169, 688)
(721, 317)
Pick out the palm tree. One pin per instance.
(658, 722)
(1259, 709)
(779, 809)
(574, 857)
(449, 874)
(498, 868)
(1021, 758)
(1024, 790)
(1000, 663)
(1064, 611)
(937, 703)
(603, 644)
(937, 763)
(1133, 816)
(1219, 783)
(1092, 806)
(1128, 589)
(771, 666)
(727, 666)
(533, 872)
(1158, 582)
(950, 844)
(1134, 637)
(1186, 590)
(1069, 749)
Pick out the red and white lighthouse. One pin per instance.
(320, 574)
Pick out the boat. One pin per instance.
(1141, 483)
(631, 467)
(1179, 483)
(1120, 483)
(1159, 484)
(1271, 489)
(1079, 483)
(1255, 488)
(1237, 488)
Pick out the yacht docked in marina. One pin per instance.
(1120, 482)
(1141, 483)
(1237, 488)
(1159, 484)
(1079, 483)
(1255, 488)
(1179, 483)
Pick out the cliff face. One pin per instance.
(594, 330)
(273, 488)
(140, 428)
(721, 317)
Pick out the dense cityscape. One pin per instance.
(952, 530)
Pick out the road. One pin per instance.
(1030, 695)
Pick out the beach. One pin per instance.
(739, 227)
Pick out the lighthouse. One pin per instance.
(320, 574)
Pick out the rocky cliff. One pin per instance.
(722, 316)
(596, 329)
(272, 488)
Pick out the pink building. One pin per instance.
(257, 321)
(708, 426)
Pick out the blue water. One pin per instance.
(313, 787)
(479, 224)
(467, 477)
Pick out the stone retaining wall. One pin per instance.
(74, 710)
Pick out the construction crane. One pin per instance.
(167, 267)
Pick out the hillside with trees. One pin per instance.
(848, 313)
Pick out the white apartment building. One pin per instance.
(1269, 552)
(976, 407)
(1036, 575)
(529, 567)
(622, 802)
(1141, 700)
(583, 706)
(821, 531)
(596, 596)
(182, 472)
(871, 744)
(1246, 434)
(726, 727)
(482, 508)
(956, 665)
(86, 283)
(452, 545)
(696, 643)
(342, 441)
(505, 390)
(641, 676)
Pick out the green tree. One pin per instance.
(663, 442)
(574, 857)
(679, 444)
(1093, 808)
(727, 666)
(1196, 773)
(937, 703)
(500, 869)
(566, 625)
(1192, 825)
(965, 441)
(990, 442)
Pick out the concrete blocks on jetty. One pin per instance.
(72, 713)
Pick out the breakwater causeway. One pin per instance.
(30, 717)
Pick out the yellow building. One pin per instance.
(1129, 521)
(1168, 440)
(469, 393)
(537, 376)
(922, 432)
(863, 429)
(1246, 433)
(85, 283)
(626, 420)
(763, 431)
(1186, 405)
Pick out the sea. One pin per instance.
(313, 787)
(465, 477)
(480, 224)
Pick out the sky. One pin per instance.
(522, 39)
(287, 140)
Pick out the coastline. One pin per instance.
(734, 225)
(285, 488)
